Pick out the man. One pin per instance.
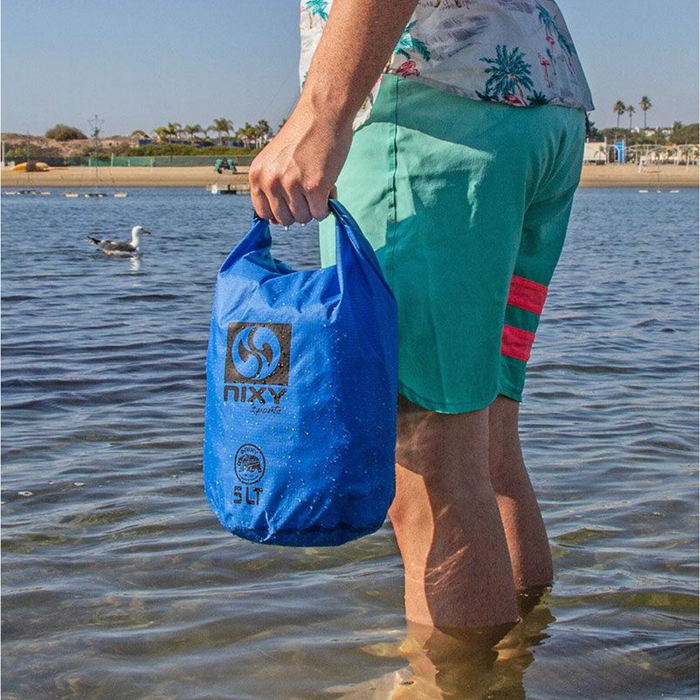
(461, 173)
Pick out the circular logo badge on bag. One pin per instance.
(249, 463)
(256, 352)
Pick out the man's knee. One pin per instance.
(448, 452)
(508, 473)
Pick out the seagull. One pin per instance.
(120, 248)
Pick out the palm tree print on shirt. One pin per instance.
(509, 77)
(408, 44)
(537, 99)
(555, 35)
(552, 28)
(318, 8)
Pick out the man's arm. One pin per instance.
(293, 176)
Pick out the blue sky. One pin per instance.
(141, 63)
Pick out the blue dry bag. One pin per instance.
(300, 420)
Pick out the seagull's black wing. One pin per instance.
(117, 247)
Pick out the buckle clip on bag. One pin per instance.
(302, 372)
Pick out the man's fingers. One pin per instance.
(288, 202)
(298, 206)
(261, 206)
(318, 202)
(280, 208)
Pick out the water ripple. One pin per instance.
(118, 581)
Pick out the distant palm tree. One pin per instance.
(162, 133)
(239, 136)
(408, 43)
(631, 110)
(509, 73)
(645, 104)
(197, 129)
(264, 132)
(223, 126)
(619, 108)
(174, 129)
(192, 130)
(249, 134)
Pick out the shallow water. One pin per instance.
(119, 582)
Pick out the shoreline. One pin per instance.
(594, 176)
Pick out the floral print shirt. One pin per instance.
(517, 52)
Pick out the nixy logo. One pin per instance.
(257, 354)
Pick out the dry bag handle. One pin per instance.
(349, 242)
(347, 231)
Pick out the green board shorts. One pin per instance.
(466, 204)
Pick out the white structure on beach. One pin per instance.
(595, 152)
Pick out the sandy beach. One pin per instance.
(672, 176)
(74, 177)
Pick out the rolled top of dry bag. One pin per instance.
(300, 421)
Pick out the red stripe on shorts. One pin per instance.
(527, 295)
(517, 343)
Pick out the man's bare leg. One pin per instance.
(447, 523)
(530, 554)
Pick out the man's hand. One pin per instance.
(293, 176)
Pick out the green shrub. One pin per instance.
(20, 153)
(63, 132)
(180, 150)
(684, 133)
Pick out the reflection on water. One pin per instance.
(449, 663)
(120, 584)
